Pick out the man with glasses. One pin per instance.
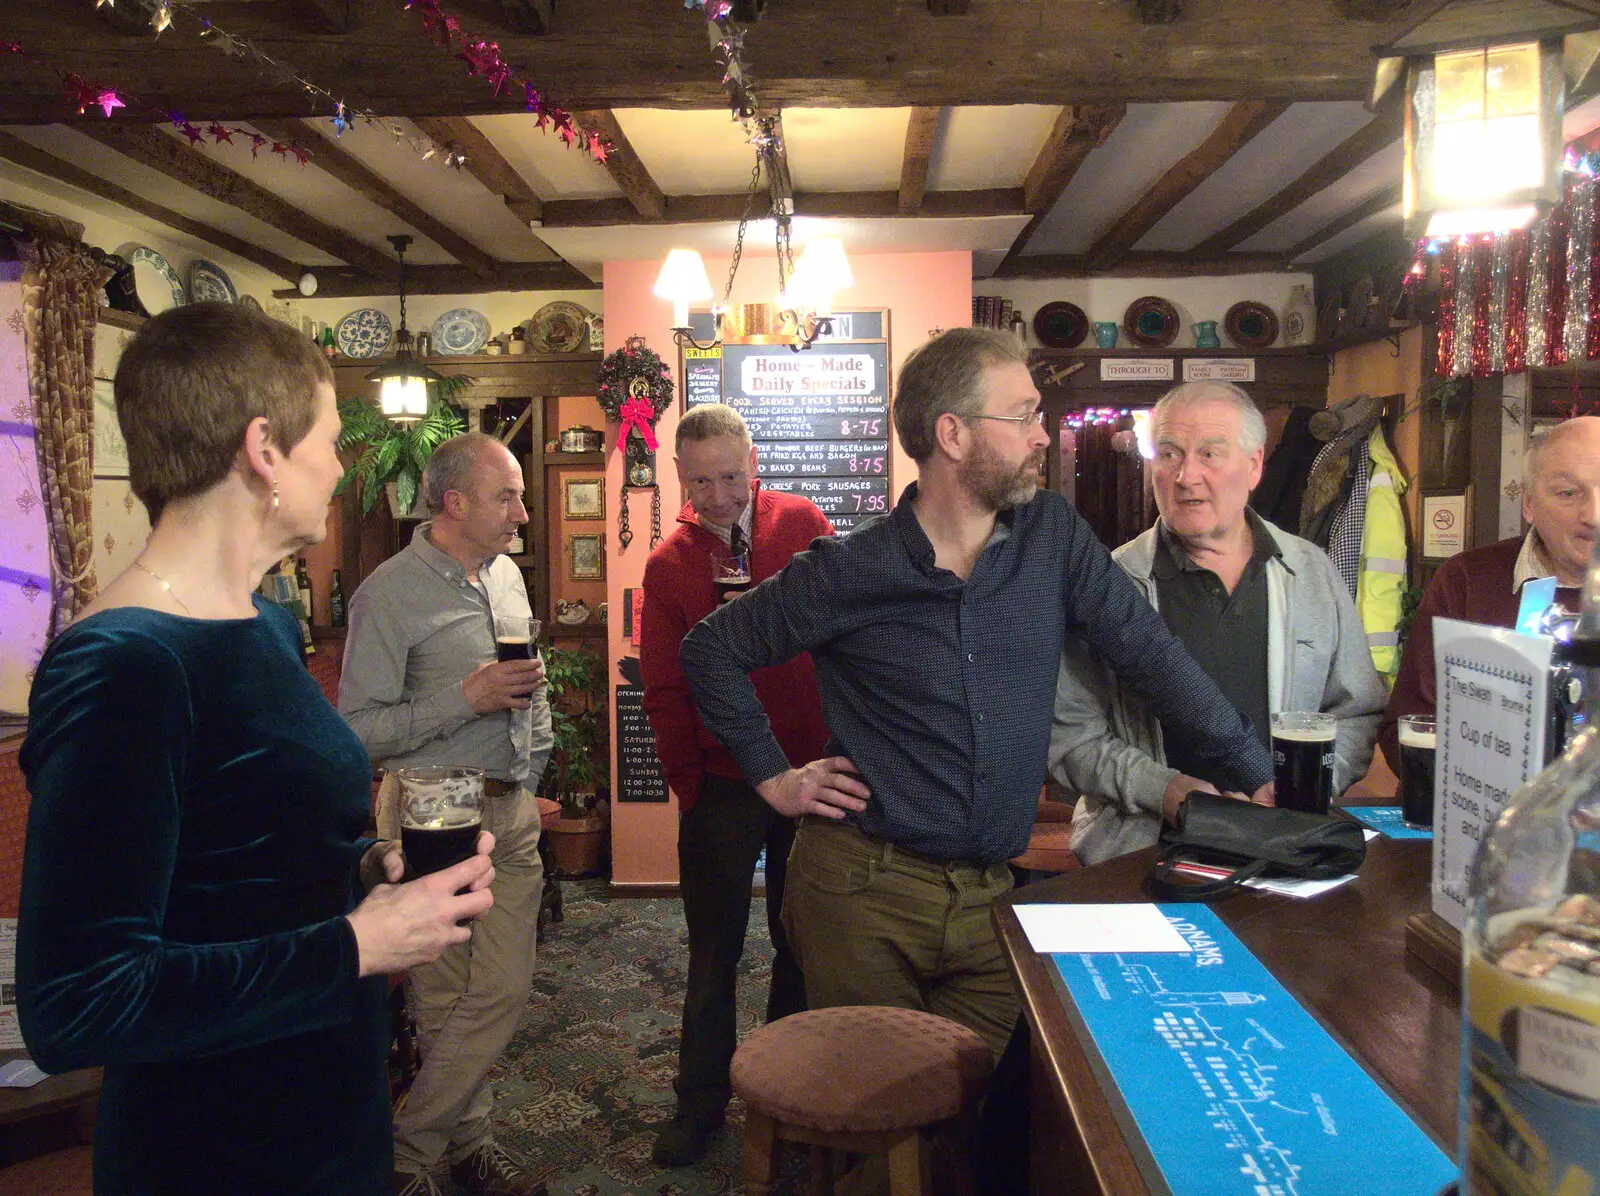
(936, 631)
(723, 824)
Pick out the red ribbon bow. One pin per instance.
(639, 415)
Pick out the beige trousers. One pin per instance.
(470, 999)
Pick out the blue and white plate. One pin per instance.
(209, 283)
(155, 282)
(460, 331)
(365, 332)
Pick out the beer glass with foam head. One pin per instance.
(1418, 740)
(1302, 759)
(516, 637)
(441, 813)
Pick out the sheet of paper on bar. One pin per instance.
(1098, 929)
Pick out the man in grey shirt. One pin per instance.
(421, 686)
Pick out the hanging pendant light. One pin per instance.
(403, 383)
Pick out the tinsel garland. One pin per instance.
(1521, 300)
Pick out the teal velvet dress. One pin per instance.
(193, 847)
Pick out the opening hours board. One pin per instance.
(819, 418)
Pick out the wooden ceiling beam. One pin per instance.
(623, 163)
(451, 280)
(1377, 134)
(1371, 206)
(329, 156)
(484, 163)
(1079, 130)
(1237, 128)
(920, 132)
(1152, 264)
(14, 149)
(183, 164)
(703, 209)
(324, 16)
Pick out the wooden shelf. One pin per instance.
(1316, 349)
(574, 459)
(130, 320)
(577, 631)
(438, 359)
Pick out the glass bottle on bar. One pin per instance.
(1530, 1057)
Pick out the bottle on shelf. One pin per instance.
(336, 601)
(329, 346)
(1530, 1059)
(302, 582)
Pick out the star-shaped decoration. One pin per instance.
(109, 101)
(532, 101)
(450, 26)
(301, 154)
(256, 142)
(193, 133)
(567, 133)
(220, 132)
(161, 19)
(543, 119)
(599, 150)
(279, 148)
(340, 122)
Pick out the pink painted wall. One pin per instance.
(922, 291)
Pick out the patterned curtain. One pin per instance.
(60, 305)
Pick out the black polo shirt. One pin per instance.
(1225, 633)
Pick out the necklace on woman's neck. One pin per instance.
(166, 586)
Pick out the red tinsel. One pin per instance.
(1517, 304)
(1556, 296)
(1447, 306)
(1483, 291)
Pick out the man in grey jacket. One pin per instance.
(1262, 611)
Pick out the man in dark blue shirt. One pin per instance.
(936, 631)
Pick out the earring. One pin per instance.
(274, 494)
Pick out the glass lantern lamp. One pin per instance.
(403, 382)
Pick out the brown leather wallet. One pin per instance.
(497, 788)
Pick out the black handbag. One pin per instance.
(1253, 841)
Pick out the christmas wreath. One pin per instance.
(635, 387)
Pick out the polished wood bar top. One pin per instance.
(1342, 955)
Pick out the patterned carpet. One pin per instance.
(587, 1079)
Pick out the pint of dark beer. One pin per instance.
(516, 638)
(441, 813)
(731, 574)
(1418, 741)
(1302, 760)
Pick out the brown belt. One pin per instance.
(496, 788)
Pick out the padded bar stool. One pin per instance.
(859, 1078)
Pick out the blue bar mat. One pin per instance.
(1233, 1086)
(1386, 820)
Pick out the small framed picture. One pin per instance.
(586, 558)
(110, 450)
(583, 498)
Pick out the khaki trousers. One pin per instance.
(873, 924)
(470, 999)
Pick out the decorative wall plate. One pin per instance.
(155, 282)
(460, 331)
(1251, 325)
(1060, 325)
(559, 327)
(365, 332)
(1151, 322)
(209, 283)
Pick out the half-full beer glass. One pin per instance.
(1302, 759)
(441, 812)
(1418, 741)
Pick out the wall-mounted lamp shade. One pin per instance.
(682, 280)
(1483, 138)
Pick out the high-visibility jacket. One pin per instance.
(1381, 587)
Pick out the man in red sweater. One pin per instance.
(723, 823)
(1561, 499)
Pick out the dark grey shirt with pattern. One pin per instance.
(942, 691)
(1225, 633)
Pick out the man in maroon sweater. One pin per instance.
(1561, 499)
(723, 823)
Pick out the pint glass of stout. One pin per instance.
(516, 638)
(1302, 760)
(731, 573)
(1418, 740)
(441, 812)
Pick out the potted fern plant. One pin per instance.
(578, 769)
(390, 456)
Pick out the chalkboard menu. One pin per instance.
(638, 771)
(820, 417)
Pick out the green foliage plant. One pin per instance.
(577, 708)
(386, 451)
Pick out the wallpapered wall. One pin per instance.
(24, 546)
(120, 526)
